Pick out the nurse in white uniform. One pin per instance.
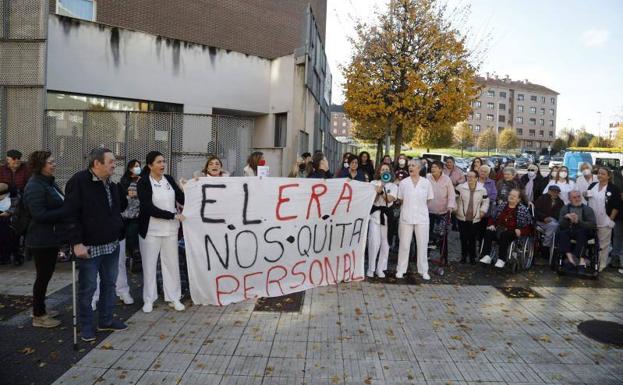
(415, 192)
(386, 193)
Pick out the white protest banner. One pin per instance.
(266, 237)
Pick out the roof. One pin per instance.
(337, 108)
(516, 84)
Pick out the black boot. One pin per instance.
(463, 260)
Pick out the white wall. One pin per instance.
(90, 58)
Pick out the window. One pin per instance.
(520, 131)
(551, 111)
(490, 117)
(343, 131)
(335, 132)
(551, 134)
(533, 110)
(533, 98)
(520, 97)
(281, 129)
(612, 164)
(471, 116)
(541, 133)
(491, 94)
(501, 118)
(477, 104)
(542, 111)
(519, 120)
(551, 123)
(520, 108)
(343, 123)
(503, 94)
(478, 116)
(528, 143)
(502, 106)
(533, 121)
(538, 144)
(532, 132)
(470, 127)
(552, 100)
(490, 106)
(542, 122)
(79, 9)
(542, 99)
(477, 129)
(335, 123)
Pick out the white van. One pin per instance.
(611, 160)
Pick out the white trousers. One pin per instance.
(550, 229)
(165, 247)
(406, 232)
(604, 234)
(377, 241)
(121, 287)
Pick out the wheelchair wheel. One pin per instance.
(527, 254)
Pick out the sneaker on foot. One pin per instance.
(426, 277)
(177, 305)
(127, 299)
(148, 307)
(399, 275)
(621, 271)
(113, 326)
(499, 263)
(87, 335)
(486, 260)
(370, 274)
(45, 322)
(49, 313)
(380, 274)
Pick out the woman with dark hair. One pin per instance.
(401, 170)
(159, 223)
(354, 173)
(604, 198)
(506, 184)
(343, 170)
(366, 165)
(475, 166)
(532, 183)
(44, 201)
(252, 162)
(561, 179)
(214, 167)
(320, 167)
(387, 160)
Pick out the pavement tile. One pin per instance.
(100, 358)
(315, 368)
(435, 371)
(184, 345)
(120, 377)
(253, 348)
(556, 373)
(247, 366)
(172, 362)
(198, 378)
(362, 370)
(135, 360)
(240, 380)
(209, 364)
(80, 375)
(478, 372)
(160, 378)
(402, 372)
(324, 350)
(220, 347)
(285, 367)
(150, 343)
(288, 349)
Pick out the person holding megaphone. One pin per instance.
(386, 193)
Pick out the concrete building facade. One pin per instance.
(341, 126)
(528, 108)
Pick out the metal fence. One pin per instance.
(186, 140)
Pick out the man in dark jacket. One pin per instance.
(577, 221)
(14, 173)
(547, 210)
(94, 210)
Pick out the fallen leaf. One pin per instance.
(106, 346)
(27, 351)
(42, 364)
(335, 380)
(545, 338)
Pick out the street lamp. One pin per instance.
(549, 150)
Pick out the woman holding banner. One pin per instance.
(386, 192)
(415, 192)
(214, 167)
(159, 223)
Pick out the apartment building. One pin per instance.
(340, 124)
(527, 108)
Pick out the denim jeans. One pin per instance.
(617, 245)
(107, 267)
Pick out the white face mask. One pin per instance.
(531, 174)
(402, 162)
(136, 170)
(5, 203)
(562, 174)
(586, 172)
(345, 164)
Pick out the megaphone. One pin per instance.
(386, 177)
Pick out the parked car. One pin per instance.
(556, 161)
(522, 163)
(544, 160)
(462, 163)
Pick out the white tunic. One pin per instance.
(391, 190)
(163, 197)
(597, 202)
(415, 199)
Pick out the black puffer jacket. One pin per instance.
(44, 200)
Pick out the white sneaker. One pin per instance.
(148, 307)
(621, 271)
(486, 260)
(380, 274)
(399, 275)
(94, 305)
(177, 305)
(426, 277)
(499, 263)
(127, 299)
(370, 274)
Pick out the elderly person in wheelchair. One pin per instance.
(547, 210)
(511, 221)
(577, 222)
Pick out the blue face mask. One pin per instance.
(136, 170)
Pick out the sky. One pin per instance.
(574, 47)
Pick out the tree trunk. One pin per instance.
(379, 151)
(398, 144)
(388, 134)
(461, 152)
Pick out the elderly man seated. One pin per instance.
(547, 210)
(577, 221)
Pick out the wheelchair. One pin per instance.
(590, 251)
